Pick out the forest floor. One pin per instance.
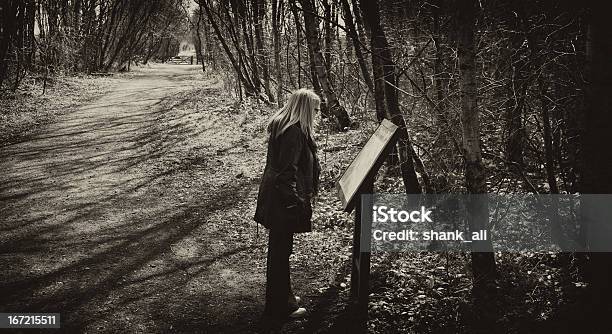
(132, 213)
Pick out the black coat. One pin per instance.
(290, 179)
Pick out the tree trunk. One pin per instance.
(314, 78)
(208, 46)
(30, 38)
(358, 21)
(483, 261)
(8, 24)
(200, 50)
(298, 35)
(597, 165)
(352, 32)
(379, 87)
(247, 35)
(312, 32)
(382, 53)
(259, 8)
(327, 32)
(235, 29)
(276, 6)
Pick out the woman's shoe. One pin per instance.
(299, 313)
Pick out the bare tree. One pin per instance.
(263, 58)
(277, 14)
(352, 32)
(597, 167)
(483, 261)
(312, 37)
(381, 52)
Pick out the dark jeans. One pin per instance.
(280, 301)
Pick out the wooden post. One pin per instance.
(355, 189)
(360, 271)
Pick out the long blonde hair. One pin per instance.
(300, 107)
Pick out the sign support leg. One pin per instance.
(360, 271)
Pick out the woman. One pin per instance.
(290, 179)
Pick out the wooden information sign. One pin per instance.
(358, 179)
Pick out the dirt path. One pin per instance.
(116, 215)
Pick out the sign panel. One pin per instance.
(366, 163)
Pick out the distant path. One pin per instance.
(103, 220)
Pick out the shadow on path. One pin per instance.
(92, 226)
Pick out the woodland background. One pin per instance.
(491, 96)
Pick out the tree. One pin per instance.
(277, 15)
(312, 37)
(483, 261)
(314, 78)
(352, 32)
(263, 58)
(235, 58)
(200, 50)
(83, 35)
(597, 167)
(382, 55)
